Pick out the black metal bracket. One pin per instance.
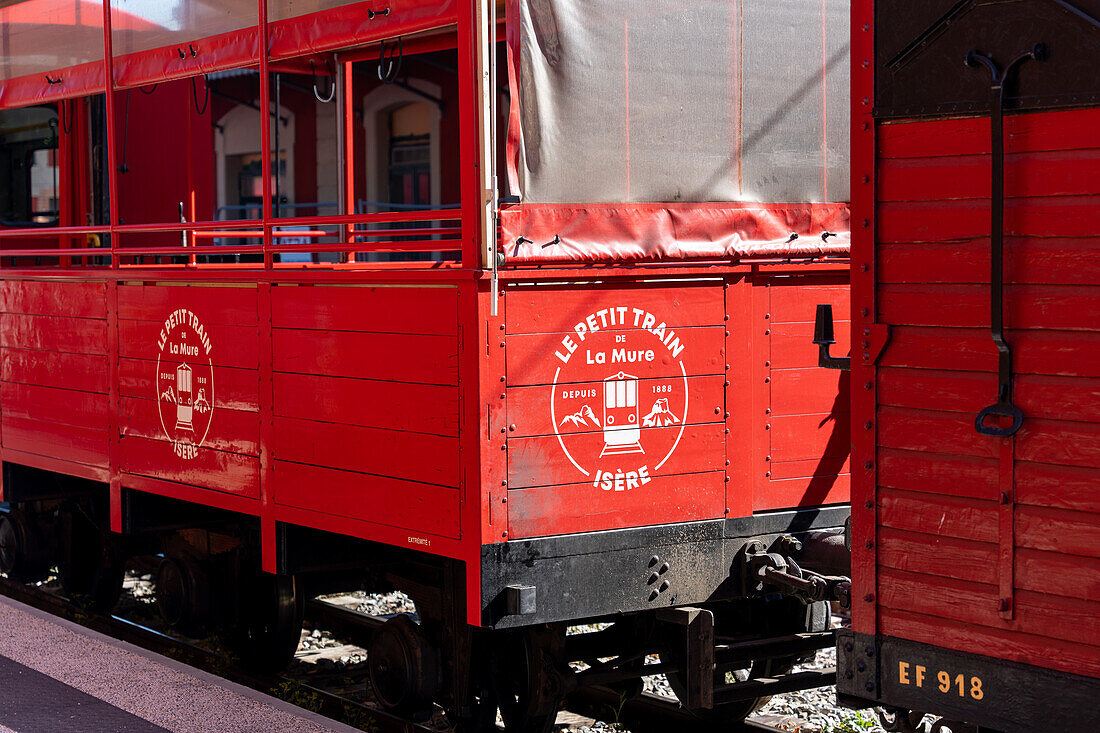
(823, 337)
(999, 79)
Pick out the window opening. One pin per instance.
(29, 167)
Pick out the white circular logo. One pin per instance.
(185, 382)
(620, 397)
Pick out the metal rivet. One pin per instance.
(868, 425)
(664, 586)
(866, 355)
(870, 651)
(767, 410)
(767, 427)
(1005, 498)
(767, 474)
(654, 560)
(767, 332)
(1002, 604)
(866, 222)
(717, 410)
(502, 379)
(653, 578)
(861, 666)
(727, 462)
(504, 447)
(869, 597)
(866, 178)
(847, 646)
(767, 363)
(866, 27)
(504, 430)
(767, 458)
(865, 312)
(504, 483)
(502, 344)
(504, 533)
(868, 385)
(727, 367)
(767, 379)
(727, 479)
(870, 545)
(869, 504)
(865, 64)
(870, 687)
(512, 427)
(504, 500)
(848, 675)
(726, 317)
(767, 316)
(865, 101)
(868, 465)
(864, 267)
(663, 569)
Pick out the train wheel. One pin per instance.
(516, 677)
(22, 556)
(90, 564)
(183, 594)
(767, 618)
(270, 621)
(404, 667)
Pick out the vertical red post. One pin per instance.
(349, 151)
(109, 105)
(864, 392)
(469, 158)
(265, 134)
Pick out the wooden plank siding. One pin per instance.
(53, 373)
(939, 481)
(366, 404)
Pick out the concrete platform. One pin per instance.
(56, 677)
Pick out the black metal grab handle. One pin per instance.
(998, 80)
(1000, 409)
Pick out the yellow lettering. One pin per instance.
(976, 688)
(920, 675)
(903, 673)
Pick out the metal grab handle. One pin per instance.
(1000, 409)
(999, 78)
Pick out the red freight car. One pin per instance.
(975, 521)
(567, 376)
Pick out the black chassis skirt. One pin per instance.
(597, 574)
(991, 693)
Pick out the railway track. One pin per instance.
(329, 693)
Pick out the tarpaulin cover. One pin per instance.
(681, 100)
(39, 36)
(633, 232)
(161, 40)
(142, 25)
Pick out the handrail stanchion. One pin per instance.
(348, 96)
(109, 106)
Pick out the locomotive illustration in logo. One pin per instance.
(620, 397)
(185, 382)
(621, 427)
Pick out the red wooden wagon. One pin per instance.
(977, 484)
(291, 298)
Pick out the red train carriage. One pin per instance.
(975, 498)
(327, 290)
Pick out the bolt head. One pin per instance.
(869, 597)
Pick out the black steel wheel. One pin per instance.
(515, 677)
(404, 667)
(754, 619)
(90, 562)
(183, 594)
(269, 625)
(21, 553)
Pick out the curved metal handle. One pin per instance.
(1001, 409)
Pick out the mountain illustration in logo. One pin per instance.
(660, 415)
(581, 417)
